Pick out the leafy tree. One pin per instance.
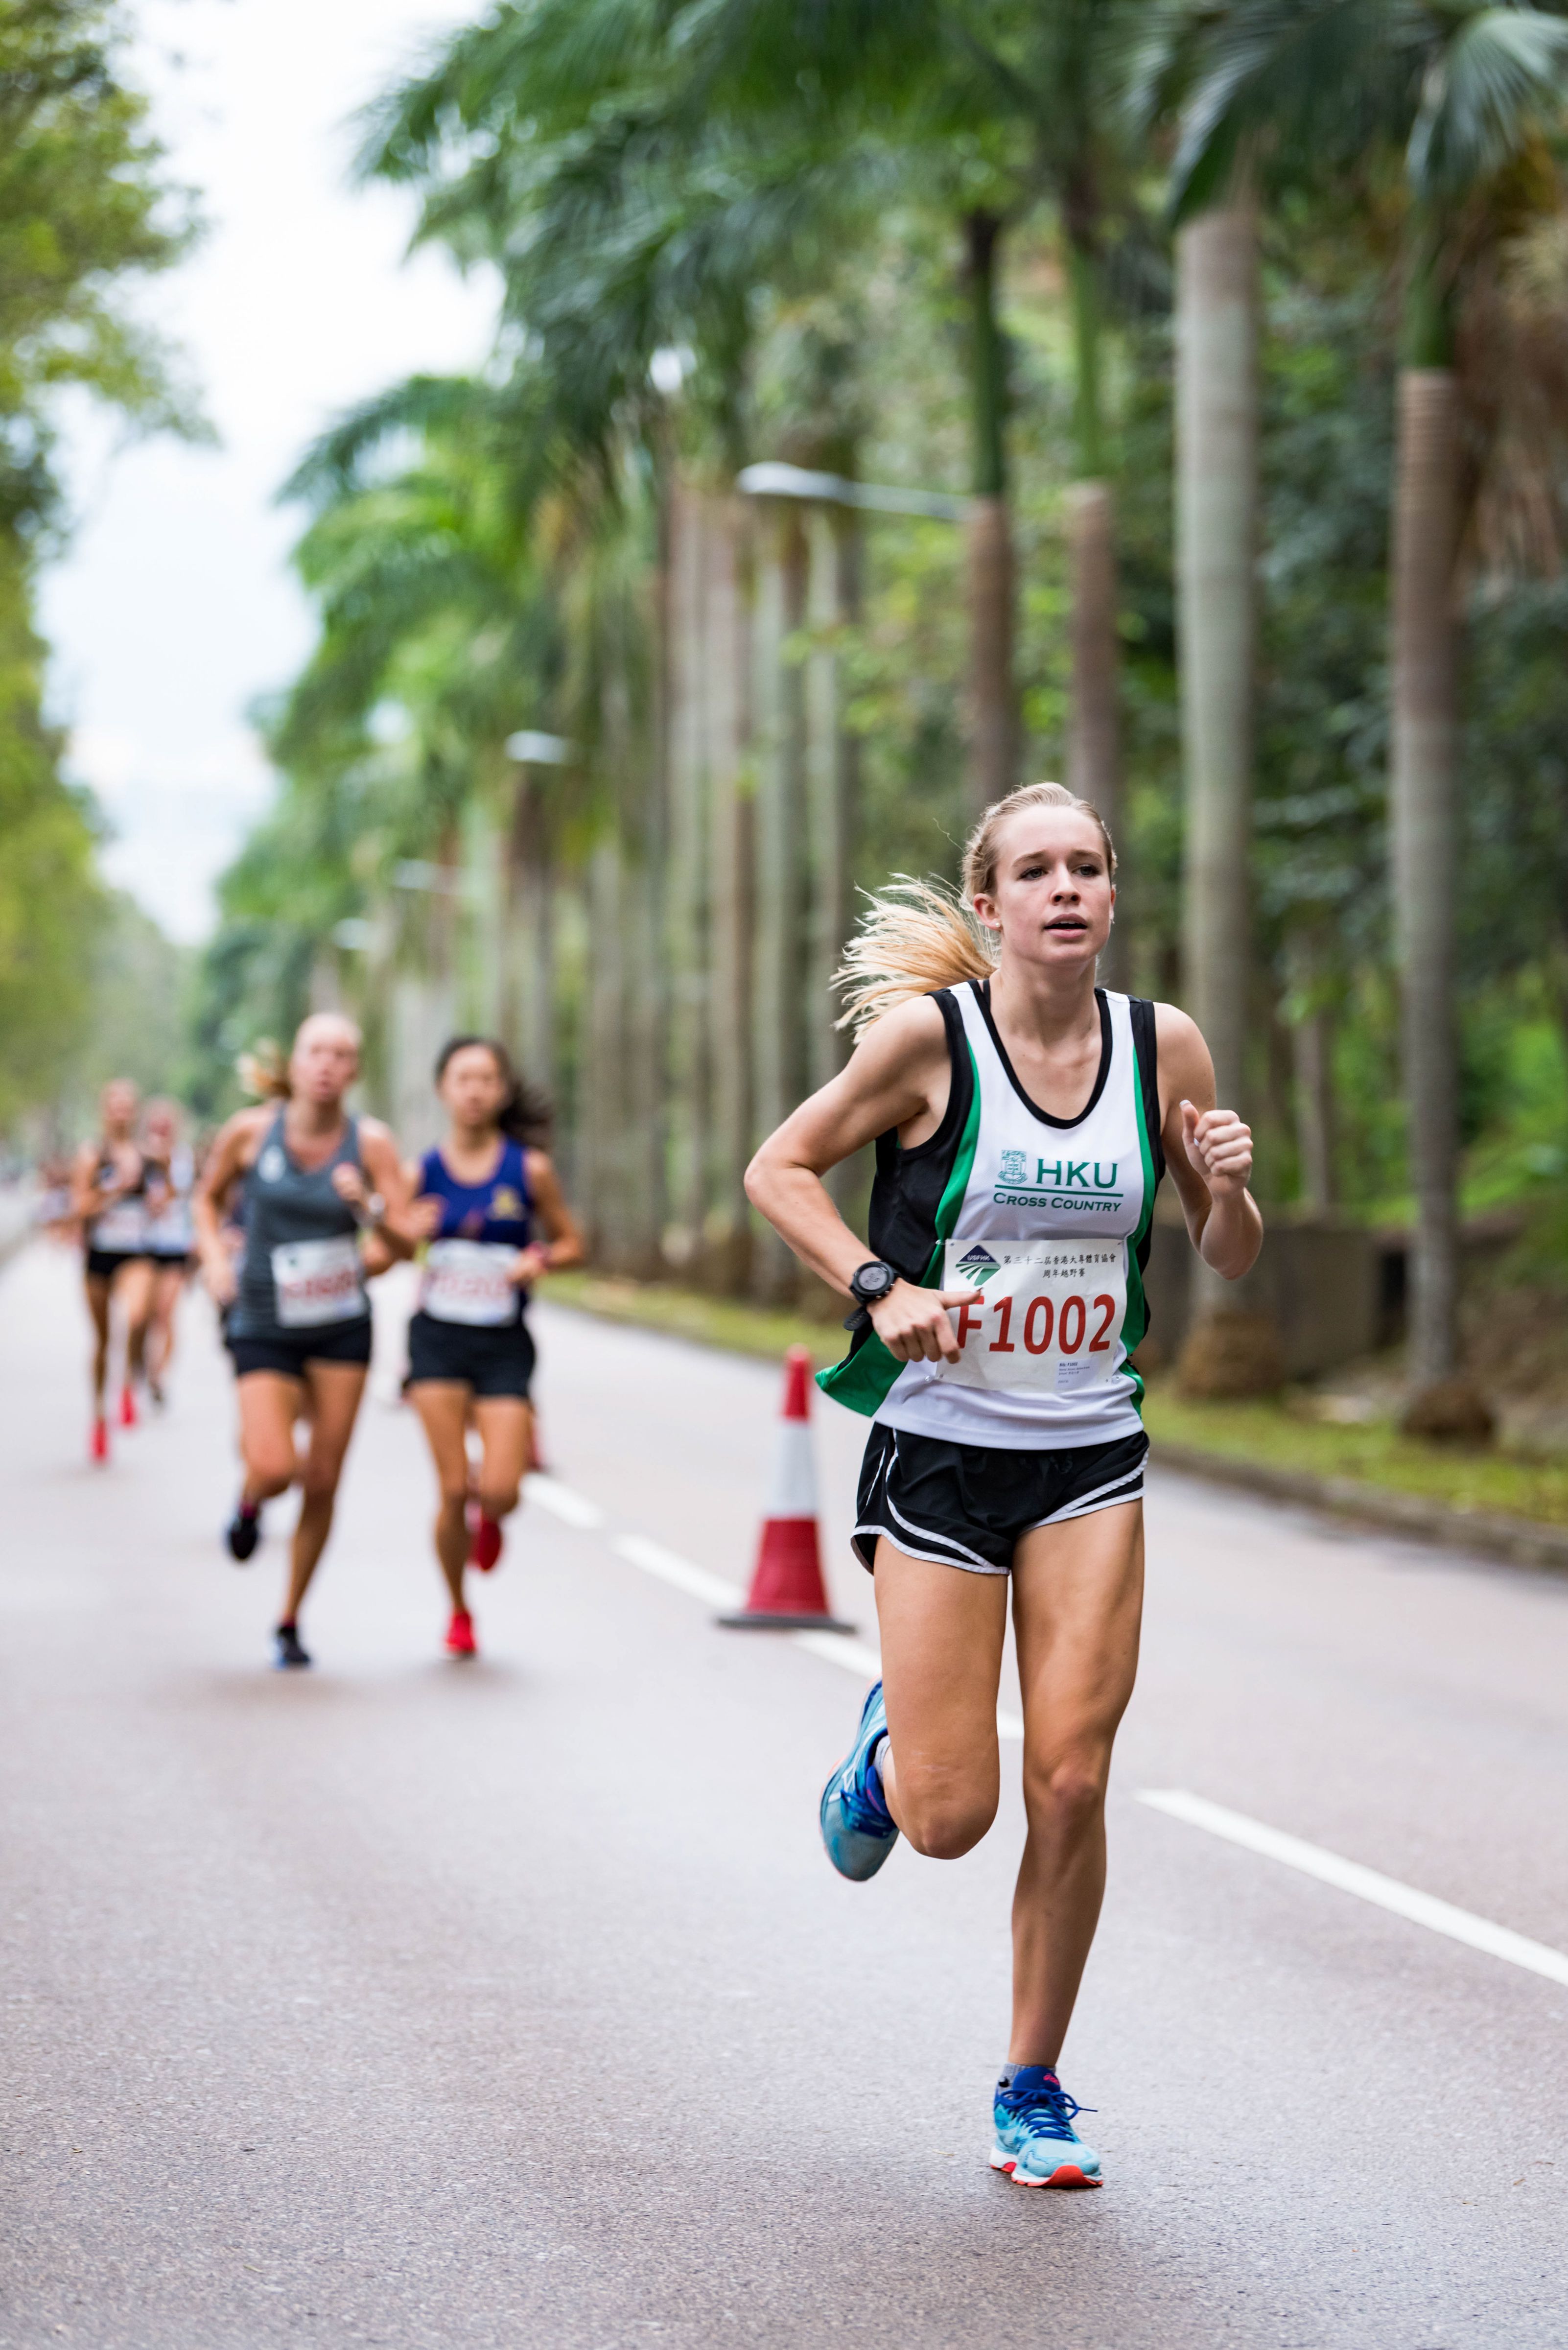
(1468, 97)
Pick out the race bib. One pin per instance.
(470, 1281)
(121, 1227)
(319, 1281)
(1049, 1315)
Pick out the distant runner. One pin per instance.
(300, 1329)
(1022, 1118)
(170, 1234)
(471, 1353)
(107, 1198)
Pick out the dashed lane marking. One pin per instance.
(574, 1509)
(1368, 1884)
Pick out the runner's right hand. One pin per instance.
(913, 1325)
(223, 1282)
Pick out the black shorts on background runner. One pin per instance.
(968, 1505)
(104, 1263)
(492, 1360)
(288, 1352)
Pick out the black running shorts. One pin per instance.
(492, 1362)
(287, 1352)
(102, 1264)
(969, 1504)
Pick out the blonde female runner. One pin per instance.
(1023, 1118)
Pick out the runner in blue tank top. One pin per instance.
(323, 1193)
(471, 1353)
(1022, 1118)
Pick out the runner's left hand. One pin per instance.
(1220, 1146)
(349, 1184)
(531, 1262)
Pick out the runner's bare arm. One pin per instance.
(394, 1233)
(563, 1243)
(896, 1077)
(232, 1152)
(1208, 1150)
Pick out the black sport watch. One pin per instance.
(867, 1284)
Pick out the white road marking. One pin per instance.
(1368, 1883)
(671, 1567)
(572, 1509)
(851, 1655)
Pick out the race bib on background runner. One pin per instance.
(121, 1227)
(470, 1281)
(319, 1281)
(1048, 1315)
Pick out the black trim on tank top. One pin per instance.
(1145, 1045)
(908, 1185)
(982, 997)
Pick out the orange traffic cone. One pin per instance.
(787, 1593)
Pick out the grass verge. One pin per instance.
(1372, 1453)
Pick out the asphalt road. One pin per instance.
(411, 2003)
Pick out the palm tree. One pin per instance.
(1467, 93)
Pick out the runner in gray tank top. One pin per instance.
(322, 1193)
(1022, 1118)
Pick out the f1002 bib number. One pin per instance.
(1044, 1316)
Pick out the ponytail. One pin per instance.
(526, 1115)
(918, 936)
(264, 1071)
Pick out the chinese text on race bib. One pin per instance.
(1048, 1315)
(470, 1281)
(319, 1281)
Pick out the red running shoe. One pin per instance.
(460, 1641)
(127, 1407)
(97, 1442)
(484, 1542)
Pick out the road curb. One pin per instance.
(1520, 1542)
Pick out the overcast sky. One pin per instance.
(174, 606)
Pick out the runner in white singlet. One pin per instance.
(1022, 1118)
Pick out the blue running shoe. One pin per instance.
(1036, 2144)
(857, 1826)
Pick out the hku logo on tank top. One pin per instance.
(1044, 1219)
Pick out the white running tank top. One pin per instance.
(1047, 1220)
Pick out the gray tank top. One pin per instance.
(301, 1269)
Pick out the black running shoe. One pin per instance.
(241, 1533)
(291, 1650)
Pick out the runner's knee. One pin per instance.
(498, 1501)
(944, 1817)
(269, 1471)
(454, 1493)
(1065, 1793)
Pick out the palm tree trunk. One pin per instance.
(1094, 729)
(1423, 813)
(992, 698)
(1217, 544)
(730, 851)
(1094, 723)
(778, 1005)
(687, 909)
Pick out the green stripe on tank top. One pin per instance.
(1135, 1322)
(864, 1379)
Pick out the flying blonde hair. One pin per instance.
(916, 936)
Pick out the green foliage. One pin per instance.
(49, 901)
(83, 210)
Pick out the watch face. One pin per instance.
(875, 1280)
